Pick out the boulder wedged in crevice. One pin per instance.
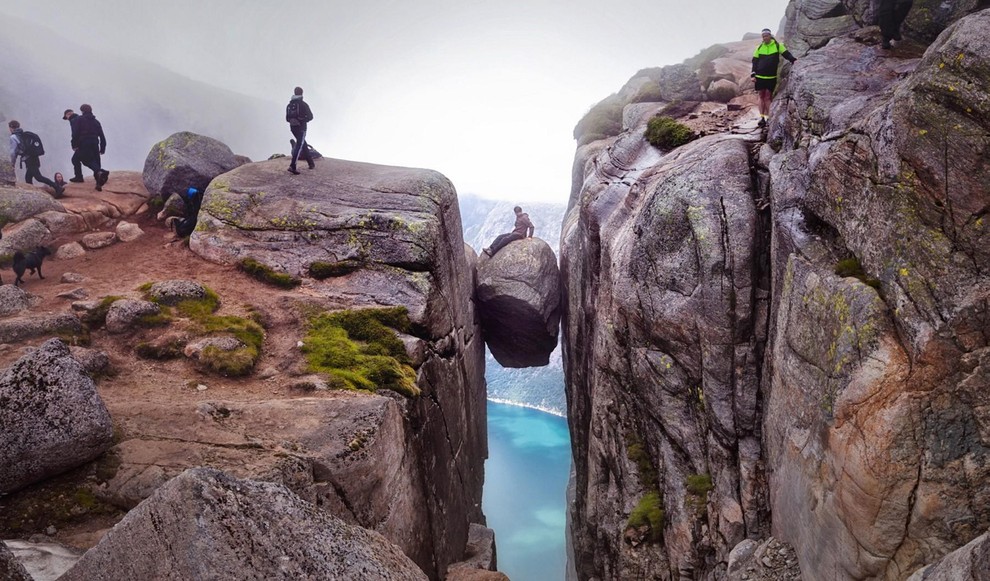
(184, 160)
(518, 299)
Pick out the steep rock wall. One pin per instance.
(714, 356)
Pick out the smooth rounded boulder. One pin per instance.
(518, 297)
(205, 524)
(186, 160)
(51, 418)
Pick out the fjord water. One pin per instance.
(529, 460)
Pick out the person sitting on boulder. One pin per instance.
(523, 229)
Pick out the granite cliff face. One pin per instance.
(790, 336)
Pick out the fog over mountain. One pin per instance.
(138, 103)
(487, 93)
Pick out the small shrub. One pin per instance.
(604, 119)
(267, 275)
(665, 133)
(648, 93)
(699, 484)
(323, 270)
(648, 512)
(360, 350)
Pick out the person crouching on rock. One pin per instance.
(523, 229)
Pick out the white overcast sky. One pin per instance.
(486, 92)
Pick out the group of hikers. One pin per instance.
(87, 141)
(766, 58)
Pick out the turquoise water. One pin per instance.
(529, 460)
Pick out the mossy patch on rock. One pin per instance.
(97, 317)
(323, 270)
(359, 349)
(267, 275)
(648, 513)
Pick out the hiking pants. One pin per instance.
(77, 163)
(503, 240)
(33, 165)
(300, 150)
(89, 156)
(890, 16)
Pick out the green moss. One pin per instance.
(850, 267)
(171, 349)
(666, 133)
(699, 484)
(637, 454)
(359, 349)
(238, 362)
(199, 308)
(6, 260)
(154, 320)
(266, 275)
(648, 512)
(323, 270)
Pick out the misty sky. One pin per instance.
(486, 92)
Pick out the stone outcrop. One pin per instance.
(968, 563)
(398, 231)
(206, 524)
(789, 336)
(518, 298)
(10, 567)
(52, 418)
(185, 160)
(6, 172)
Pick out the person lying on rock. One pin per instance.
(523, 229)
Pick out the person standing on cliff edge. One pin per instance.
(298, 114)
(766, 62)
(90, 143)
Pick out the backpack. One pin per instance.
(293, 112)
(31, 145)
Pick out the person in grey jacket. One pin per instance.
(31, 162)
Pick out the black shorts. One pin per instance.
(766, 84)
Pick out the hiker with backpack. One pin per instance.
(90, 143)
(28, 146)
(766, 61)
(298, 114)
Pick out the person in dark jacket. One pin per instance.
(31, 162)
(298, 114)
(523, 228)
(890, 17)
(766, 61)
(88, 139)
(77, 177)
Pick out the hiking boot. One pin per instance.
(102, 177)
(293, 171)
(77, 180)
(762, 123)
(312, 165)
(99, 187)
(886, 44)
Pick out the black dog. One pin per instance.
(30, 261)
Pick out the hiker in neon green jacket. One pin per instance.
(766, 61)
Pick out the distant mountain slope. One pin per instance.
(138, 103)
(482, 220)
